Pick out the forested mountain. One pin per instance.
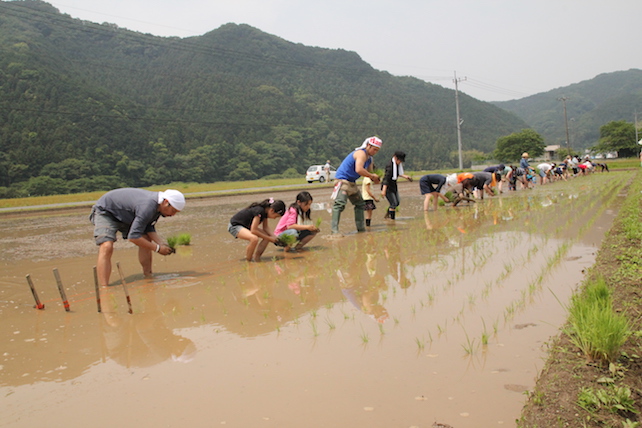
(87, 106)
(589, 105)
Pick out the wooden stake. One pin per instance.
(97, 289)
(122, 280)
(35, 294)
(61, 289)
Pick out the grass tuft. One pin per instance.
(594, 326)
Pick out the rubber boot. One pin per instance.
(359, 219)
(392, 214)
(367, 222)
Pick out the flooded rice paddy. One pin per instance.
(440, 317)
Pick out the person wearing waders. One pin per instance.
(357, 164)
(133, 213)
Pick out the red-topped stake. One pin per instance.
(61, 289)
(35, 294)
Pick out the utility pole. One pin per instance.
(568, 143)
(459, 120)
(637, 139)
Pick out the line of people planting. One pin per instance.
(134, 212)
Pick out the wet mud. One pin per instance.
(435, 318)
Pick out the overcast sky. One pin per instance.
(505, 49)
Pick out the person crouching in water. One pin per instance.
(297, 222)
(389, 190)
(251, 224)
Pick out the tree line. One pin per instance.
(87, 107)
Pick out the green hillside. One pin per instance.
(589, 105)
(87, 106)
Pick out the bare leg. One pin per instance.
(103, 265)
(427, 201)
(260, 249)
(307, 239)
(254, 241)
(145, 260)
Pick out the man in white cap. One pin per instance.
(357, 164)
(134, 213)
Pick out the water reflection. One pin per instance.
(362, 282)
(143, 340)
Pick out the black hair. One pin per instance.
(276, 204)
(400, 155)
(302, 197)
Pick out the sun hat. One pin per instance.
(524, 155)
(174, 197)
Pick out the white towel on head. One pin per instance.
(397, 170)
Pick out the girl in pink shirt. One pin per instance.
(296, 221)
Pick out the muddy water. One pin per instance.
(438, 317)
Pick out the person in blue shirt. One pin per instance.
(357, 164)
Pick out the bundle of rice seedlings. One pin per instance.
(184, 239)
(317, 223)
(172, 241)
(287, 240)
(181, 239)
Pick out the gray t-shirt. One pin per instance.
(137, 208)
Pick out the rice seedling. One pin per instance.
(317, 223)
(484, 337)
(469, 346)
(381, 329)
(364, 337)
(471, 299)
(315, 331)
(330, 324)
(420, 343)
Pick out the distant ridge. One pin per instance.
(589, 104)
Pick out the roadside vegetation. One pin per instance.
(192, 190)
(231, 187)
(593, 375)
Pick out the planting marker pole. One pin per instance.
(35, 295)
(122, 280)
(61, 289)
(97, 289)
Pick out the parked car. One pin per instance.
(316, 173)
